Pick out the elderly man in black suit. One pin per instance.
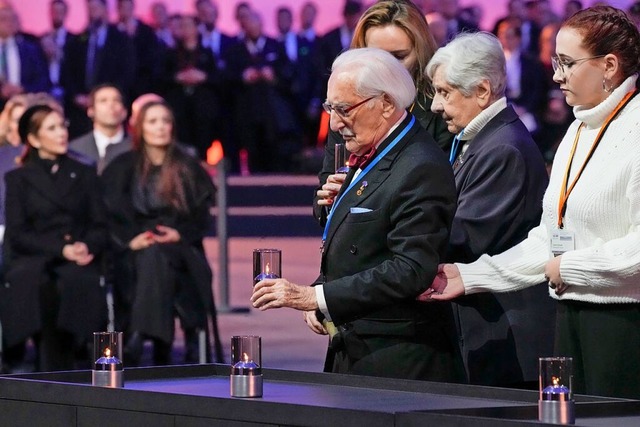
(108, 138)
(385, 235)
(500, 179)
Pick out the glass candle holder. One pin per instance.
(556, 404)
(107, 355)
(267, 264)
(341, 156)
(246, 366)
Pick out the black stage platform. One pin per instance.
(193, 396)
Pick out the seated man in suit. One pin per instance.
(385, 235)
(108, 137)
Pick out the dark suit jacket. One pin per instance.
(85, 147)
(148, 60)
(329, 46)
(500, 184)
(374, 264)
(533, 85)
(432, 123)
(34, 73)
(115, 63)
(43, 214)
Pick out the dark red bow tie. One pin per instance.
(360, 162)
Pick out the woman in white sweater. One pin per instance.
(588, 248)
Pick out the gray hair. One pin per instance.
(469, 59)
(377, 72)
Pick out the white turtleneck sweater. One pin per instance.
(603, 211)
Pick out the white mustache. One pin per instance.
(347, 134)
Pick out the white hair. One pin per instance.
(469, 59)
(376, 72)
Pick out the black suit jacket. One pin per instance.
(432, 123)
(44, 213)
(34, 73)
(115, 63)
(533, 85)
(375, 263)
(500, 183)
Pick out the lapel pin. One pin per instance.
(73, 175)
(362, 187)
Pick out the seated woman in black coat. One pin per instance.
(158, 200)
(55, 233)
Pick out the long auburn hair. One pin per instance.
(175, 177)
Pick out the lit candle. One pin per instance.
(246, 366)
(343, 169)
(107, 371)
(555, 391)
(108, 362)
(266, 274)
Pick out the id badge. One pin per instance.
(562, 241)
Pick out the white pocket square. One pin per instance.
(359, 210)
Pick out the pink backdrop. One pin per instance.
(35, 19)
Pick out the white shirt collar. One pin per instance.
(103, 141)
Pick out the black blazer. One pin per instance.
(44, 213)
(115, 63)
(393, 250)
(376, 263)
(431, 122)
(500, 184)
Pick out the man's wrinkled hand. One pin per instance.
(277, 293)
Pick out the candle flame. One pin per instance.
(245, 357)
(107, 352)
(555, 381)
(266, 268)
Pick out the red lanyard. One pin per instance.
(564, 191)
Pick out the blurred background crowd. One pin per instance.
(259, 94)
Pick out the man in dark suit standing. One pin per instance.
(333, 42)
(526, 83)
(500, 180)
(55, 45)
(108, 138)
(264, 121)
(149, 55)
(102, 54)
(385, 235)
(23, 67)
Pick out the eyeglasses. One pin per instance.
(564, 64)
(343, 111)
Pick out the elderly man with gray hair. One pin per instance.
(385, 234)
(500, 179)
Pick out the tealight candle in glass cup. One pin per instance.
(108, 369)
(556, 404)
(267, 264)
